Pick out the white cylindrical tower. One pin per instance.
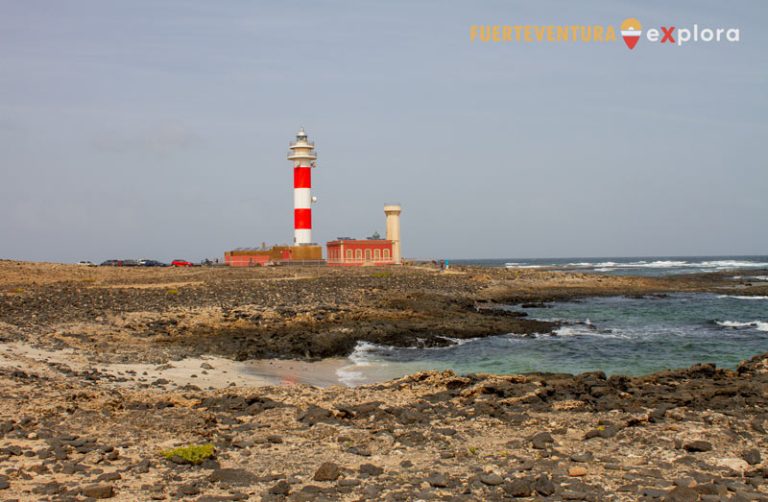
(393, 230)
(302, 153)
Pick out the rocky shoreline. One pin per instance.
(71, 430)
(156, 315)
(696, 434)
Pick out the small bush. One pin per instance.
(380, 275)
(192, 454)
(173, 292)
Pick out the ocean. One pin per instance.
(648, 266)
(617, 335)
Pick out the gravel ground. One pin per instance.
(69, 431)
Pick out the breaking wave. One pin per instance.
(714, 264)
(371, 359)
(758, 325)
(741, 297)
(352, 374)
(609, 266)
(584, 329)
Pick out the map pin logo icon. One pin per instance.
(631, 29)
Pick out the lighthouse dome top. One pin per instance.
(301, 150)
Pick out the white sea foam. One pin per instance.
(361, 356)
(349, 377)
(353, 374)
(712, 264)
(565, 331)
(457, 341)
(725, 264)
(585, 330)
(632, 264)
(759, 325)
(655, 264)
(608, 266)
(366, 359)
(658, 264)
(740, 297)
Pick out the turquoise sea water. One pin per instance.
(617, 335)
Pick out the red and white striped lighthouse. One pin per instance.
(303, 155)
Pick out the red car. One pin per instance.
(181, 263)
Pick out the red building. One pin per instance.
(283, 255)
(360, 252)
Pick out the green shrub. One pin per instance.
(380, 275)
(192, 454)
(172, 292)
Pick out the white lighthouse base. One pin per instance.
(302, 236)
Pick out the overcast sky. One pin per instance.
(159, 129)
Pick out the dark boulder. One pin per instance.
(100, 491)
(328, 471)
(233, 477)
(697, 446)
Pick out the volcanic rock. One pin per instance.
(371, 470)
(698, 446)
(491, 479)
(752, 456)
(232, 477)
(519, 487)
(282, 487)
(541, 440)
(328, 471)
(101, 491)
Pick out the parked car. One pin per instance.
(129, 263)
(86, 263)
(152, 263)
(181, 263)
(112, 263)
